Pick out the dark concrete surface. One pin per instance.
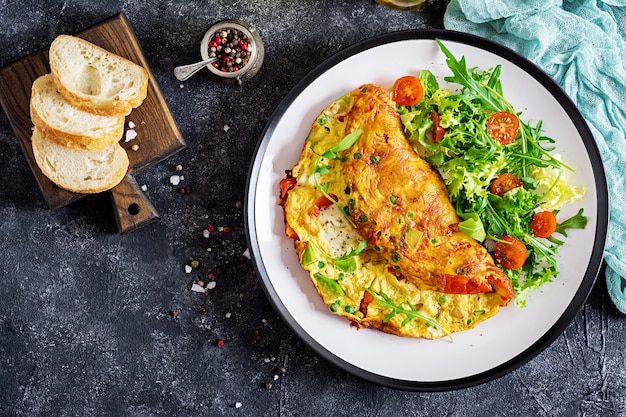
(86, 323)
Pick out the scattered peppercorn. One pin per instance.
(239, 204)
(179, 167)
(202, 310)
(174, 313)
(226, 229)
(232, 49)
(135, 147)
(220, 342)
(268, 385)
(210, 228)
(195, 263)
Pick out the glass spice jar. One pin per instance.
(238, 48)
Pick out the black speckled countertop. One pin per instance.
(86, 314)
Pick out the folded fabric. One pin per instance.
(581, 44)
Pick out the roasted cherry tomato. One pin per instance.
(543, 224)
(286, 184)
(321, 203)
(407, 91)
(438, 131)
(461, 284)
(365, 302)
(504, 183)
(511, 253)
(503, 126)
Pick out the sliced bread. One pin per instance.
(78, 170)
(96, 80)
(67, 125)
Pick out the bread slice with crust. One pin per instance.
(94, 79)
(78, 170)
(67, 125)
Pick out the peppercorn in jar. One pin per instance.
(231, 47)
(238, 49)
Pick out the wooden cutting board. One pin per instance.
(158, 137)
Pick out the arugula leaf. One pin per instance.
(578, 221)
(485, 93)
(409, 311)
(473, 226)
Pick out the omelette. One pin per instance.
(374, 227)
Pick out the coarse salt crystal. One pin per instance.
(131, 124)
(226, 128)
(175, 179)
(206, 233)
(275, 377)
(130, 135)
(211, 285)
(197, 288)
(246, 253)
(266, 360)
(228, 315)
(188, 269)
(144, 187)
(238, 405)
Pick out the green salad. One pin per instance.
(503, 178)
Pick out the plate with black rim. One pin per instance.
(499, 345)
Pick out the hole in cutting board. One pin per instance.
(134, 209)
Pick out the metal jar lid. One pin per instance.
(255, 45)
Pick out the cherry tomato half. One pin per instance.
(321, 203)
(511, 253)
(286, 184)
(407, 91)
(543, 224)
(504, 183)
(438, 130)
(503, 126)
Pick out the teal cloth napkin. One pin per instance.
(581, 44)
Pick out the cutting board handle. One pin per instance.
(132, 207)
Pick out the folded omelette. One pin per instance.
(374, 227)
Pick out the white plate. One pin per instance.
(495, 347)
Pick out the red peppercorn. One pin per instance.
(243, 45)
(202, 310)
(226, 229)
(220, 342)
(210, 228)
